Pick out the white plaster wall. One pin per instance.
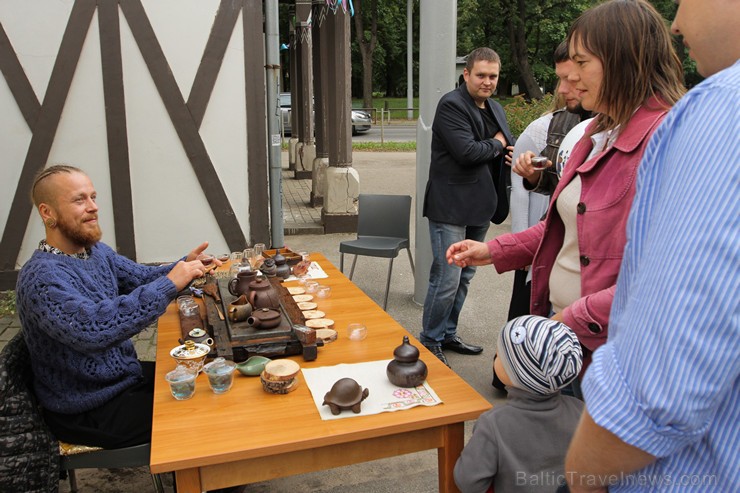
(171, 214)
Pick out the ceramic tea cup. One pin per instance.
(239, 285)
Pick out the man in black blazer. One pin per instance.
(466, 190)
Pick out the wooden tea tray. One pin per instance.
(239, 340)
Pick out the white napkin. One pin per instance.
(383, 397)
(314, 272)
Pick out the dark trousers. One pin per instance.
(518, 306)
(124, 421)
(520, 295)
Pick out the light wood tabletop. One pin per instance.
(247, 435)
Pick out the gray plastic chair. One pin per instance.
(136, 456)
(382, 231)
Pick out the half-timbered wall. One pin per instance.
(161, 102)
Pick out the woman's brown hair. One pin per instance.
(634, 45)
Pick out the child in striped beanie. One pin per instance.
(521, 445)
(538, 354)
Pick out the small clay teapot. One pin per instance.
(264, 318)
(239, 285)
(240, 309)
(199, 336)
(269, 268)
(263, 295)
(406, 369)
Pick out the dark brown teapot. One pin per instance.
(264, 318)
(406, 369)
(263, 295)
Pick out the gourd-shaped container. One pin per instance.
(406, 369)
(282, 269)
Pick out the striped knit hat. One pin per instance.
(539, 354)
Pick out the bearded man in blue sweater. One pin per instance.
(79, 303)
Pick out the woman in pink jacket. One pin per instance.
(626, 71)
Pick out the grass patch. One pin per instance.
(7, 303)
(384, 147)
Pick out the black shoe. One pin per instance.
(456, 344)
(437, 351)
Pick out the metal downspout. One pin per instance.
(272, 53)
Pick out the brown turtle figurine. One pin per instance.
(345, 394)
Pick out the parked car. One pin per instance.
(361, 120)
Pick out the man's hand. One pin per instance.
(509, 155)
(468, 252)
(524, 168)
(196, 251)
(184, 272)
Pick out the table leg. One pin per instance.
(188, 481)
(454, 437)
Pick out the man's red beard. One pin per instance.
(84, 235)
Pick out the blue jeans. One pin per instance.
(448, 284)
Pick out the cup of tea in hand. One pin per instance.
(539, 163)
(206, 259)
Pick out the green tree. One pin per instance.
(366, 11)
(524, 33)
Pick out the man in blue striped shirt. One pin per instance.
(662, 396)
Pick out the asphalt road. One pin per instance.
(405, 132)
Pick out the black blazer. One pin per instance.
(467, 175)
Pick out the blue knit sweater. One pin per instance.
(78, 317)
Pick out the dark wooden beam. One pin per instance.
(339, 107)
(17, 81)
(115, 125)
(45, 128)
(185, 126)
(321, 54)
(213, 56)
(256, 111)
(8, 279)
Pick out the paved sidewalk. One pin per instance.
(299, 217)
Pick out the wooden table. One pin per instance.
(246, 435)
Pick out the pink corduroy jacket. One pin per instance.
(608, 187)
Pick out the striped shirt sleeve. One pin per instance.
(667, 379)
